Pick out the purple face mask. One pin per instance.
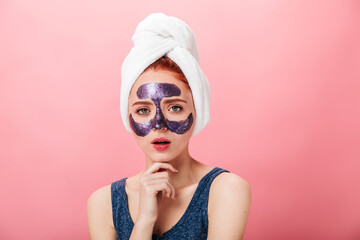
(156, 92)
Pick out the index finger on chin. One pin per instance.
(159, 167)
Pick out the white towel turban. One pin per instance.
(158, 35)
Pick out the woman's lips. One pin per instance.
(161, 143)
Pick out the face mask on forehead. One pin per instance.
(156, 92)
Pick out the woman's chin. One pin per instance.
(160, 159)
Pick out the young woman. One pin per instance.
(175, 196)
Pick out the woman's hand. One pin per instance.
(155, 183)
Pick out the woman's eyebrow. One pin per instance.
(142, 103)
(174, 100)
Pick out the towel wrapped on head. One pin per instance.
(161, 35)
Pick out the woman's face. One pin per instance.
(161, 115)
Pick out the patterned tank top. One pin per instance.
(193, 225)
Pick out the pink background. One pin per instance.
(285, 110)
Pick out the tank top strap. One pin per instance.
(123, 223)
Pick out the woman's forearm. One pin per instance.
(142, 230)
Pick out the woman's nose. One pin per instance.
(159, 120)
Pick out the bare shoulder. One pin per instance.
(229, 184)
(99, 214)
(103, 193)
(229, 205)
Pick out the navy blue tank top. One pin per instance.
(192, 225)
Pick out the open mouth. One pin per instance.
(161, 143)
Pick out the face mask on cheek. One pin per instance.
(156, 92)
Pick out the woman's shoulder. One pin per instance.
(229, 185)
(99, 206)
(100, 195)
(229, 205)
(101, 198)
(229, 181)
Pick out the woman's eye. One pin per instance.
(176, 109)
(143, 111)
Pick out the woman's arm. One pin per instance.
(99, 214)
(155, 183)
(228, 208)
(142, 230)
